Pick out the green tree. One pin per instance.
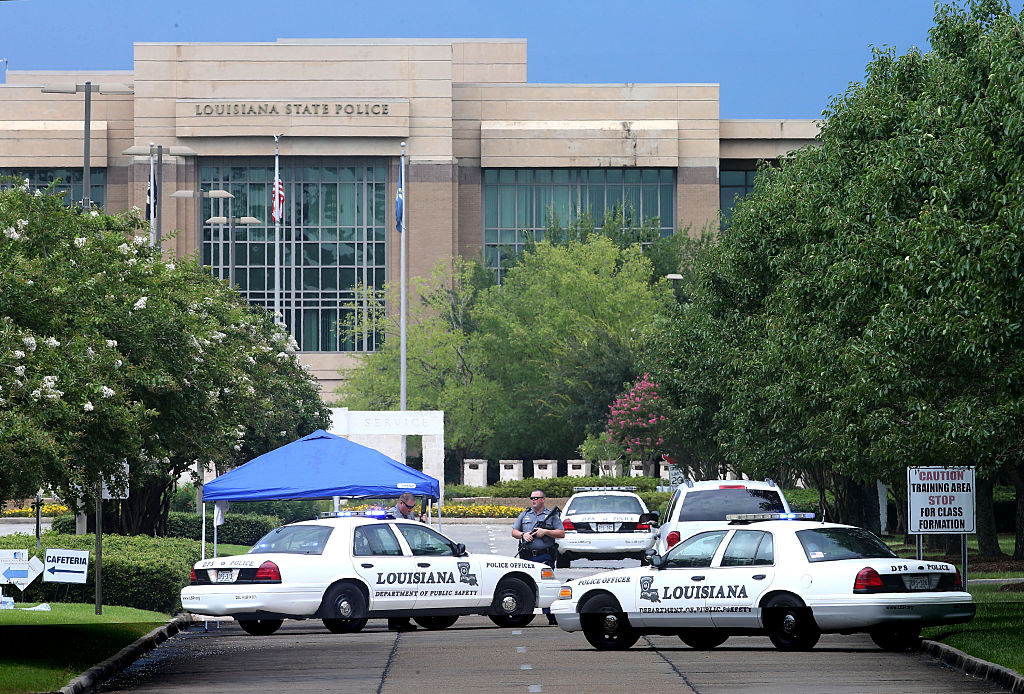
(559, 337)
(865, 302)
(526, 368)
(117, 357)
(443, 372)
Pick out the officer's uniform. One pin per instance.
(396, 512)
(542, 549)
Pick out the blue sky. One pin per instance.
(773, 59)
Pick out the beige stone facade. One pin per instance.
(462, 106)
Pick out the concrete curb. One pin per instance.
(1004, 677)
(97, 674)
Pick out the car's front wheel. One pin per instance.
(347, 607)
(606, 626)
(703, 639)
(434, 622)
(513, 603)
(790, 624)
(260, 627)
(896, 638)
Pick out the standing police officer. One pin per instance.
(537, 528)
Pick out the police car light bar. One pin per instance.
(369, 513)
(769, 516)
(603, 489)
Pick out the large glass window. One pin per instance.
(332, 242)
(520, 203)
(69, 181)
(735, 180)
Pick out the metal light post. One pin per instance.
(199, 196)
(231, 222)
(88, 88)
(156, 152)
(403, 300)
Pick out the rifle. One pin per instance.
(546, 524)
(423, 509)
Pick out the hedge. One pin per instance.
(143, 572)
(238, 529)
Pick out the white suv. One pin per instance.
(605, 523)
(696, 505)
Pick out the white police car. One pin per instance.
(350, 567)
(695, 505)
(605, 523)
(790, 579)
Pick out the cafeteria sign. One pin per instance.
(941, 500)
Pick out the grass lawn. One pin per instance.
(975, 568)
(995, 633)
(43, 651)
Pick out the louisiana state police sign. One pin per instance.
(941, 500)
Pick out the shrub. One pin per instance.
(63, 524)
(238, 529)
(143, 572)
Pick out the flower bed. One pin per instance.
(29, 512)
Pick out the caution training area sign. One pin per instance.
(941, 500)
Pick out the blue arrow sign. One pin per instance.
(10, 573)
(55, 570)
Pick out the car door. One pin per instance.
(378, 557)
(444, 579)
(745, 570)
(674, 595)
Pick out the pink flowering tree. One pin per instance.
(637, 421)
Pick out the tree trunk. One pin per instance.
(988, 538)
(144, 512)
(857, 504)
(1017, 475)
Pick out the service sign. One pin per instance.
(941, 500)
(65, 565)
(18, 568)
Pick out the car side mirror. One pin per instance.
(460, 549)
(649, 517)
(654, 559)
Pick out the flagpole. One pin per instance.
(403, 232)
(278, 316)
(152, 200)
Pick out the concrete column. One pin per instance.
(578, 468)
(609, 468)
(474, 472)
(433, 459)
(545, 469)
(636, 468)
(510, 470)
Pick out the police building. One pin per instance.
(490, 157)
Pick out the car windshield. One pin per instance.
(294, 539)
(832, 544)
(716, 504)
(604, 503)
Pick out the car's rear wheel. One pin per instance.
(703, 639)
(790, 624)
(434, 622)
(347, 607)
(513, 603)
(896, 638)
(605, 625)
(260, 627)
(562, 561)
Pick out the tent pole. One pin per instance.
(202, 554)
(214, 539)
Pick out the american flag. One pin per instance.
(277, 210)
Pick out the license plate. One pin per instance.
(917, 582)
(606, 527)
(225, 576)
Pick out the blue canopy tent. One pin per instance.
(319, 466)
